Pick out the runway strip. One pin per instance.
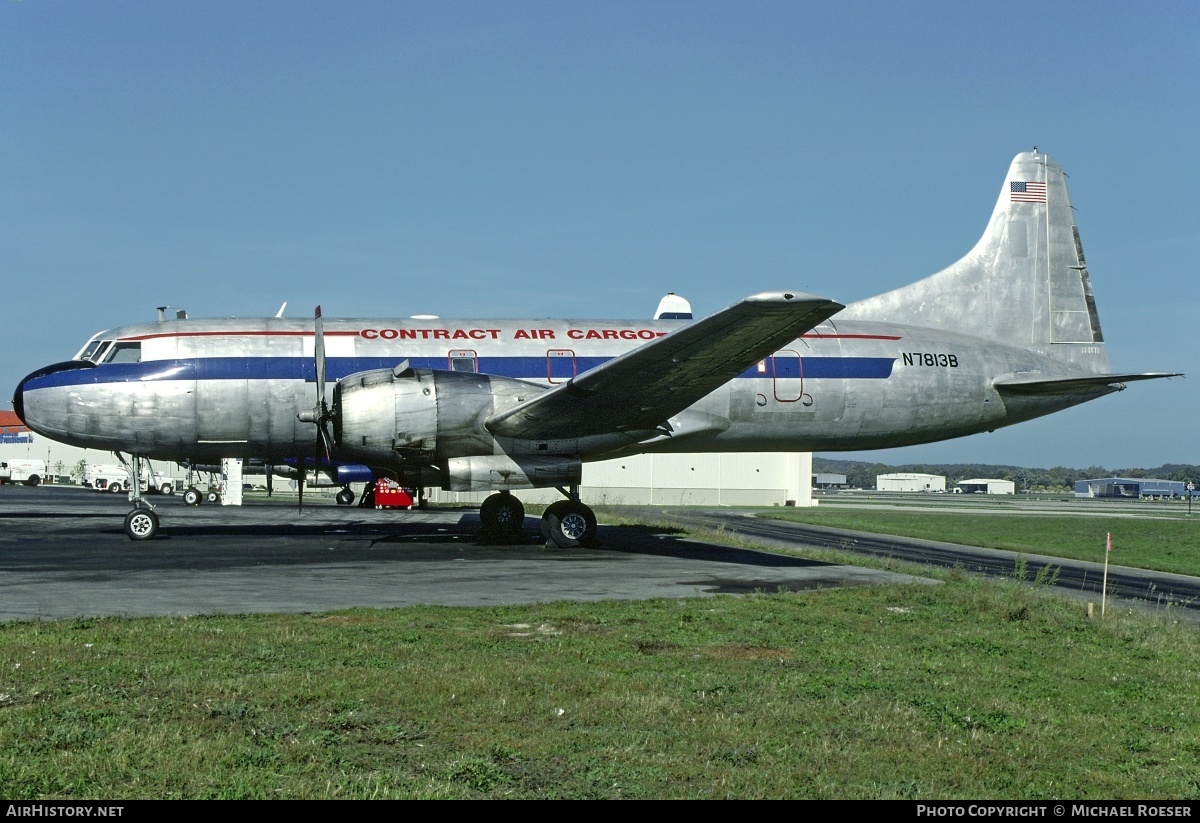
(1154, 590)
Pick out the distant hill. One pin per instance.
(861, 475)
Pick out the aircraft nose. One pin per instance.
(19, 394)
(19, 401)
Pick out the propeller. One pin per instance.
(320, 413)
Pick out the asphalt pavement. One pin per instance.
(64, 554)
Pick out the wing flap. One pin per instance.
(642, 388)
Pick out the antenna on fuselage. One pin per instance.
(281, 308)
(180, 314)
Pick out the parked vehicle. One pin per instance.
(29, 472)
(106, 477)
(113, 477)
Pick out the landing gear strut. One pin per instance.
(569, 523)
(142, 522)
(503, 517)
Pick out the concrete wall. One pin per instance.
(743, 479)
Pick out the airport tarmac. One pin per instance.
(64, 554)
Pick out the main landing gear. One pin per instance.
(503, 517)
(569, 523)
(565, 523)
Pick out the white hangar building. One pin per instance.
(735, 479)
(908, 482)
(986, 486)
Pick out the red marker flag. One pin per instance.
(1108, 548)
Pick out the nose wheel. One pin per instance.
(141, 524)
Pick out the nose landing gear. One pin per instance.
(142, 522)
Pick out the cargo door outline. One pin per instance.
(223, 403)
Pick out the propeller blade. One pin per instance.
(319, 358)
(321, 413)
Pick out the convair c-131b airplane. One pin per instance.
(1008, 333)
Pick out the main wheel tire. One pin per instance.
(503, 515)
(141, 524)
(569, 524)
(345, 497)
(192, 497)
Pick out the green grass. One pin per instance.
(1145, 543)
(969, 689)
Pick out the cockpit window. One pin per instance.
(125, 353)
(89, 351)
(97, 354)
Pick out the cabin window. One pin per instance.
(125, 353)
(463, 360)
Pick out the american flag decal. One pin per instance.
(1027, 192)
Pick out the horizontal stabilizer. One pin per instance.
(1036, 384)
(641, 389)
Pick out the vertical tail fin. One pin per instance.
(1024, 284)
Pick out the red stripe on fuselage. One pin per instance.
(298, 333)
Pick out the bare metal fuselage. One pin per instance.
(204, 390)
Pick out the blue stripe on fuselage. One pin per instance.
(302, 368)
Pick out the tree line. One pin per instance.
(861, 475)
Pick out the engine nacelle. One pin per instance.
(423, 422)
(499, 471)
(381, 417)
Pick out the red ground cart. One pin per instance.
(391, 495)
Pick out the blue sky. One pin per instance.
(536, 159)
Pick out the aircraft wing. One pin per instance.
(640, 390)
(1036, 384)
